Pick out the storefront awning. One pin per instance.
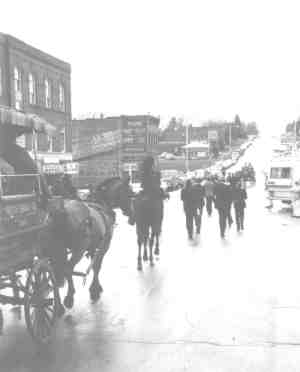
(29, 122)
(196, 145)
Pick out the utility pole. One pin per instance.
(186, 149)
(229, 135)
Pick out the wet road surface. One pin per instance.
(207, 305)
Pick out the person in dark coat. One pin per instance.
(69, 191)
(150, 178)
(191, 198)
(230, 181)
(199, 197)
(222, 203)
(239, 196)
(209, 194)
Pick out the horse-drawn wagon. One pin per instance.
(26, 275)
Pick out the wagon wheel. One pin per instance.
(41, 302)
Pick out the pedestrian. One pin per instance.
(68, 189)
(239, 195)
(199, 196)
(209, 194)
(229, 184)
(222, 203)
(190, 207)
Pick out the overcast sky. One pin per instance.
(196, 59)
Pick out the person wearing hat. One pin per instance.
(192, 198)
(209, 194)
(239, 196)
(150, 178)
(222, 203)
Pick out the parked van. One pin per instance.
(283, 179)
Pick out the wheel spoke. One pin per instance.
(41, 302)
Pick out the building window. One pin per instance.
(1, 87)
(18, 88)
(62, 101)
(48, 94)
(32, 89)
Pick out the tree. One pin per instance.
(237, 120)
(175, 124)
(290, 128)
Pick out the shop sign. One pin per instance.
(53, 168)
(71, 168)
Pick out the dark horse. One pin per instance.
(148, 213)
(85, 227)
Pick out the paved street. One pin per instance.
(208, 305)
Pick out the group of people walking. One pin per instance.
(214, 192)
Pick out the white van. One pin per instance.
(283, 180)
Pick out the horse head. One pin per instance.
(116, 193)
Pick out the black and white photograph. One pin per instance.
(150, 186)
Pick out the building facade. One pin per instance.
(35, 82)
(112, 146)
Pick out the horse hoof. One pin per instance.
(69, 302)
(156, 252)
(145, 258)
(94, 296)
(151, 263)
(140, 266)
(60, 311)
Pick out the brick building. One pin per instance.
(112, 146)
(35, 82)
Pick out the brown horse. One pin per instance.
(149, 216)
(85, 227)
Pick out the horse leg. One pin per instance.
(69, 299)
(156, 251)
(145, 243)
(95, 287)
(151, 247)
(60, 308)
(139, 265)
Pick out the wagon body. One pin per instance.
(24, 218)
(22, 223)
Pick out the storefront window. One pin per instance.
(48, 94)
(62, 105)
(32, 89)
(18, 88)
(58, 142)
